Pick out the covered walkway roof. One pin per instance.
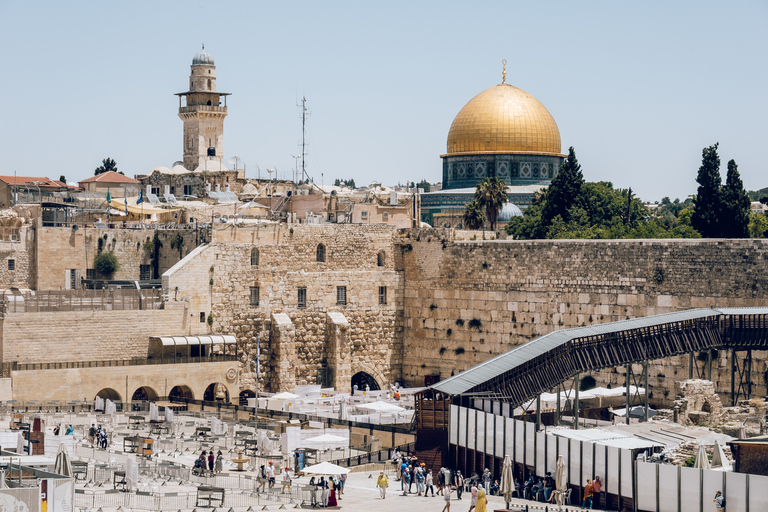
(544, 362)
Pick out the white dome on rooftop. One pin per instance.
(202, 58)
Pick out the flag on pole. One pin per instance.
(141, 197)
(109, 197)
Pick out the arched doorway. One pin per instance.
(181, 393)
(245, 395)
(109, 393)
(216, 392)
(144, 394)
(362, 379)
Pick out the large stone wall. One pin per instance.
(468, 301)
(20, 249)
(287, 260)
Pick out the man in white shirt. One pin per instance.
(271, 474)
(286, 480)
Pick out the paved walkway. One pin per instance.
(361, 494)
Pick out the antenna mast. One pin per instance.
(303, 134)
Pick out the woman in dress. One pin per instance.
(482, 501)
(333, 484)
(219, 465)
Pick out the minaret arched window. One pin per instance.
(381, 258)
(209, 84)
(320, 252)
(254, 257)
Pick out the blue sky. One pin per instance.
(638, 88)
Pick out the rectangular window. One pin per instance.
(90, 273)
(341, 295)
(11, 264)
(382, 294)
(302, 297)
(364, 215)
(254, 295)
(202, 317)
(187, 190)
(155, 190)
(145, 272)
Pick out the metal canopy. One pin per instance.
(540, 364)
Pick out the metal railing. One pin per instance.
(213, 358)
(81, 300)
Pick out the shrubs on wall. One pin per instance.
(106, 263)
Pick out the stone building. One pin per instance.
(113, 182)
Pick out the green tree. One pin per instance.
(707, 205)
(473, 218)
(106, 264)
(423, 184)
(177, 242)
(758, 225)
(106, 165)
(490, 195)
(734, 216)
(63, 178)
(564, 190)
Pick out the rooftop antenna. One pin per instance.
(304, 114)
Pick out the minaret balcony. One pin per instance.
(201, 108)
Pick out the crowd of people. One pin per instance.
(210, 463)
(97, 435)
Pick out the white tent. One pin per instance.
(326, 441)
(382, 407)
(325, 468)
(284, 396)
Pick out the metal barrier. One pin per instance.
(81, 300)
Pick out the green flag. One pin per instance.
(109, 197)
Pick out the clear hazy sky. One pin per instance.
(638, 88)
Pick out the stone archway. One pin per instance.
(144, 394)
(245, 395)
(109, 393)
(216, 392)
(377, 375)
(362, 381)
(181, 392)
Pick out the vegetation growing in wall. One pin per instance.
(210, 319)
(658, 276)
(449, 332)
(587, 383)
(458, 351)
(106, 263)
(460, 322)
(442, 350)
(475, 324)
(100, 246)
(432, 307)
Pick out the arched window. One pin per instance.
(381, 258)
(254, 257)
(209, 84)
(320, 252)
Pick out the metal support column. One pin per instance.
(749, 375)
(645, 385)
(557, 411)
(538, 413)
(709, 364)
(627, 370)
(577, 383)
(733, 377)
(690, 365)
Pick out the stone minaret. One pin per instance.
(203, 115)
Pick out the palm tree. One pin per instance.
(474, 218)
(491, 194)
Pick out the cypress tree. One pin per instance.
(707, 204)
(564, 191)
(734, 219)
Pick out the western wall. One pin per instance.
(467, 301)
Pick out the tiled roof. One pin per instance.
(31, 181)
(110, 177)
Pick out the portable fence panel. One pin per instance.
(530, 432)
(587, 461)
(735, 493)
(454, 415)
(462, 430)
(667, 488)
(499, 433)
(758, 492)
(562, 443)
(490, 433)
(574, 463)
(505, 409)
(497, 408)
(471, 429)
(690, 487)
(552, 453)
(612, 469)
(713, 482)
(541, 453)
(519, 441)
(480, 431)
(626, 473)
(646, 486)
(509, 427)
(487, 404)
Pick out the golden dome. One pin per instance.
(504, 119)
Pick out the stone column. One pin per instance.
(282, 344)
(338, 351)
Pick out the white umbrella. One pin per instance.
(168, 415)
(560, 480)
(507, 483)
(326, 468)
(154, 413)
(63, 465)
(702, 461)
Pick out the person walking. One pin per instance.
(406, 481)
(313, 491)
(473, 493)
(447, 498)
(482, 501)
(719, 501)
(588, 492)
(459, 481)
(382, 483)
(271, 474)
(342, 483)
(440, 482)
(286, 480)
(92, 434)
(262, 479)
(487, 478)
(420, 476)
(428, 484)
(211, 461)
